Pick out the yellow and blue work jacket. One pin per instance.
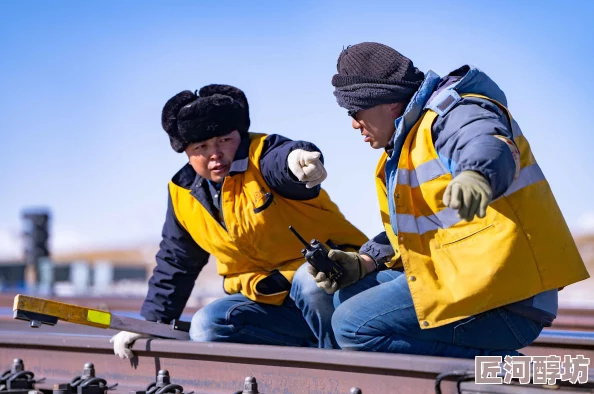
(518, 255)
(244, 223)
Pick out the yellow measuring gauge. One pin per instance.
(62, 311)
(40, 311)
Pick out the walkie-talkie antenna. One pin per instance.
(299, 237)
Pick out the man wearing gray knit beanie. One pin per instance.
(470, 260)
(372, 79)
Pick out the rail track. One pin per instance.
(219, 368)
(575, 319)
(578, 319)
(58, 353)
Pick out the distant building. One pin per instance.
(106, 271)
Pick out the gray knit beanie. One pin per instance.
(371, 74)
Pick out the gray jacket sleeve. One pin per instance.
(379, 249)
(465, 140)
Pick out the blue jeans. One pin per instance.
(377, 314)
(304, 318)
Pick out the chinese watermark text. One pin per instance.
(542, 369)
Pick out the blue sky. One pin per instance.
(83, 85)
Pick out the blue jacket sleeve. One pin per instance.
(179, 261)
(379, 249)
(275, 169)
(465, 140)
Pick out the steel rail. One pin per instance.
(567, 318)
(213, 368)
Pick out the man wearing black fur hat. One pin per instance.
(235, 199)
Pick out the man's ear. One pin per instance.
(188, 154)
(396, 109)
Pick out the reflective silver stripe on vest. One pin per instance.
(448, 217)
(409, 224)
(423, 173)
(422, 224)
(528, 176)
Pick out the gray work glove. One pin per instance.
(351, 262)
(470, 194)
(121, 342)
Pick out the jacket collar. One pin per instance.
(413, 112)
(465, 79)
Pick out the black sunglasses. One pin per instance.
(353, 114)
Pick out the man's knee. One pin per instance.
(304, 286)
(307, 295)
(343, 295)
(345, 328)
(357, 325)
(209, 323)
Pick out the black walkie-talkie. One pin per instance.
(317, 255)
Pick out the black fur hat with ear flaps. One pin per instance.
(216, 110)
